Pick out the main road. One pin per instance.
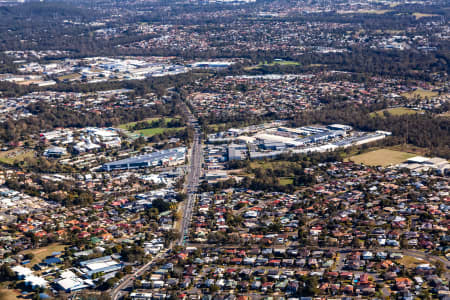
(193, 178)
(128, 280)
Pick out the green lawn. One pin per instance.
(19, 154)
(410, 262)
(125, 126)
(269, 164)
(274, 63)
(41, 253)
(69, 77)
(157, 130)
(397, 111)
(286, 181)
(420, 93)
(381, 157)
(149, 131)
(283, 63)
(216, 127)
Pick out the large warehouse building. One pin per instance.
(104, 265)
(165, 157)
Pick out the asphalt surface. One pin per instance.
(191, 185)
(128, 280)
(193, 179)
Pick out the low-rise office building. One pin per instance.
(165, 157)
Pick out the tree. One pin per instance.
(357, 243)
(181, 197)
(128, 269)
(309, 286)
(213, 289)
(108, 284)
(440, 268)
(161, 205)
(28, 256)
(6, 274)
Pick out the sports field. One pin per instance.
(157, 130)
(410, 262)
(273, 63)
(381, 157)
(18, 154)
(420, 93)
(41, 253)
(286, 180)
(149, 131)
(125, 126)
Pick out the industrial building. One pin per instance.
(424, 164)
(211, 64)
(360, 139)
(237, 152)
(105, 264)
(272, 141)
(29, 278)
(161, 158)
(216, 175)
(322, 136)
(70, 282)
(340, 127)
(55, 152)
(264, 155)
(21, 272)
(272, 138)
(35, 282)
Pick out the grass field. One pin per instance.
(157, 130)
(381, 157)
(69, 77)
(125, 126)
(420, 93)
(410, 262)
(274, 63)
(282, 63)
(286, 181)
(149, 131)
(269, 164)
(365, 11)
(41, 253)
(19, 154)
(396, 111)
(216, 127)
